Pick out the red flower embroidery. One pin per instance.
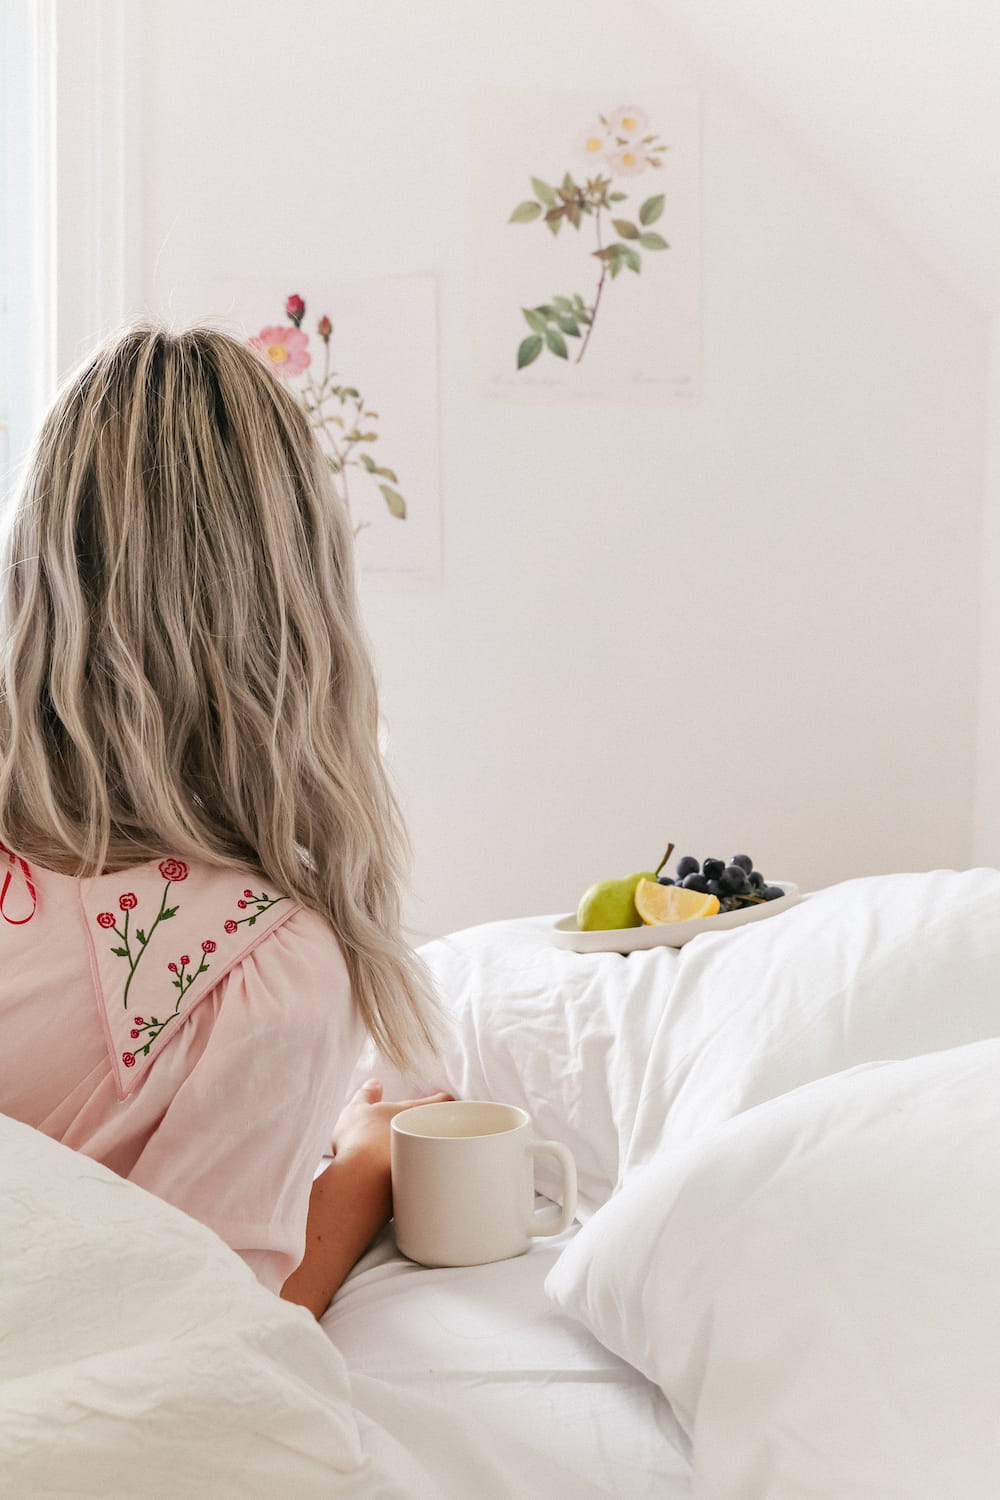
(106, 919)
(128, 1058)
(242, 905)
(231, 926)
(208, 946)
(185, 960)
(173, 869)
(134, 1033)
(139, 1021)
(248, 893)
(128, 902)
(172, 968)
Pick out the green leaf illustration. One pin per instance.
(568, 325)
(120, 952)
(368, 462)
(562, 304)
(556, 343)
(631, 258)
(651, 209)
(140, 937)
(529, 349)
(525, 212)
(617, 197)
(395, 502)
(543, 191)
(626, 229)
(653, 242)
(534, 319)
(387, 474)
(165, 916)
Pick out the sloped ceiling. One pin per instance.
(901, 97)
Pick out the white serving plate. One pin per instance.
(566, 934)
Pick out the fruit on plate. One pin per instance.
(735, 885)
(658, 903)
(611, 903)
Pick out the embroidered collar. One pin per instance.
(162, 936)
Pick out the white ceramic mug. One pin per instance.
(463, 1183)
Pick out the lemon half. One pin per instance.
(657, 903)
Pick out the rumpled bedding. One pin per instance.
(788, 1142)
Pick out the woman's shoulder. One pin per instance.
(167, 933)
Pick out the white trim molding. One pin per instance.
(97, 129)
(72, 184)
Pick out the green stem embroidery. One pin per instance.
(263, 903)
(154, 1026)
(143, 938)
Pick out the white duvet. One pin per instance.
(804, 1253)
(788, 1139)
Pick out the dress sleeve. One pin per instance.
(258, 1076)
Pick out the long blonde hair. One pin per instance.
(183, 668)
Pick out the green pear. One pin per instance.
(610, 903)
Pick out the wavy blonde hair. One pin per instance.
(183, 668)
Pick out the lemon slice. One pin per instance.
(657, 903)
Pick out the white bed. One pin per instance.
(784, 1284)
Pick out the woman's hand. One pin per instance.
(363, 1126)
(351, 1202)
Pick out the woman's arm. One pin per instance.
(351, 1202)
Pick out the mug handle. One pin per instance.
(541, 1222)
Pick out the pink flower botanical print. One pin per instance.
(617, 145)
(342, 418)
(134, 942)
(286, 350)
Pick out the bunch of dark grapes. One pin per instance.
(736, 885)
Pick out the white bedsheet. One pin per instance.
(473, 1379)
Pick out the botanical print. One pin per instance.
(362, 356)
(621, 146)
(256, 905)
(339, 414)
(134, 945)
(184, 978)
(588, 242)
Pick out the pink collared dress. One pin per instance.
(190, 1027)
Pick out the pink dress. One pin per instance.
(190, 1027)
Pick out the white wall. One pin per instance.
(747, 624)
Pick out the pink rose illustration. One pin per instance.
(128, 902)
(106, 919)
(173, 869)
(231, 926)
(324, 328)
(208, 946)
(284, 350)
(295, 308)
(128, 1058)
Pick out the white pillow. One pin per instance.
(885, 967)
(141, 1358)
(814, 1286)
